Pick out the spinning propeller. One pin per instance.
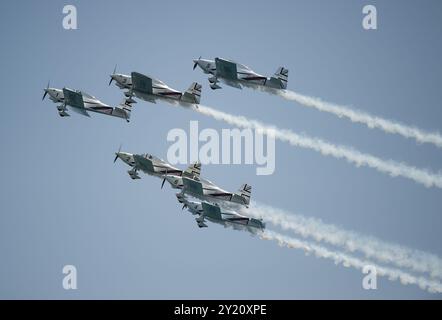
(46, 92)
(112, 75)
(196, 63)
(117, 154)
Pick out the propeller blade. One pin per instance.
(162, 184)
(117, 153)
(164, 180)
(113, 73)
(46, 91)
(196, 63)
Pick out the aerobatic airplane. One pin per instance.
(151, 89)
(154, 166)
(216, 214)
(188, 181)
(81, 102)
(236, 74)
(206, 190)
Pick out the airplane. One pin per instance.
(82, 102)
(150, 89)
(188, 181)
(206, 190)
(216, 214)
(237, 75)
(154, 166)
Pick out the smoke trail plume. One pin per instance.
(372, 248)
(358, 116)
(349, 261)
(355, 157)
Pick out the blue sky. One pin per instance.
(63, 201)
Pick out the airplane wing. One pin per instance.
(211, 211)
(154, 166)
(74, 99)
(193, 186)
(226, 69)
(141, 83)
(143, 164)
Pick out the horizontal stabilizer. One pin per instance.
(193, 171)
(193, 94)
(280, 79)
(245, 192)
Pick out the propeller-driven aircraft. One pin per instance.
(83, 103)
(237, 75)
(151, 89)
(214, 213)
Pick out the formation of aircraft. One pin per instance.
(82, 103)
(200, 196)
(188, 181)
(151, 89)
(237, 75)
(216, 204)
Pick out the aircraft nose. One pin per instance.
(121, 155)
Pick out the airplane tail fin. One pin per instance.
(193, 171)
(245, 192)
(193, 94)
(281, 76)
(125, 108)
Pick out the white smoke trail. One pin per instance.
(349, 261)
(355, 157)
(369, 120)
(372, 248)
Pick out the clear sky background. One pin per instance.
(63, 201)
